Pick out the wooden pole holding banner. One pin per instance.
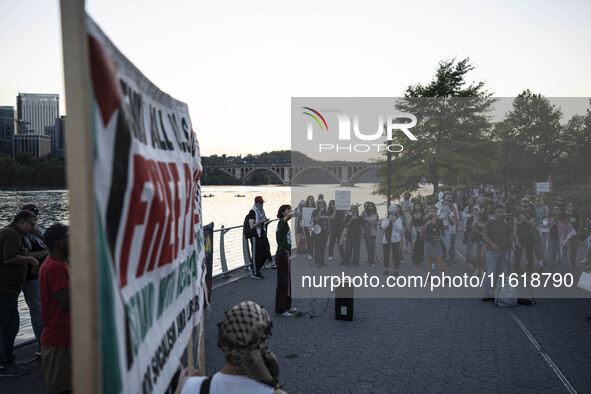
(201, 351)
(190, 354)
(79, 170)
(201, 332)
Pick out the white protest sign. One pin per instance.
(542, 187)
(307, 216)
(342, 199)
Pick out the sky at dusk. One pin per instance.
(237, 64)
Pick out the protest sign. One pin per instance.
(342, 199)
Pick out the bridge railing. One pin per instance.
(223, 260)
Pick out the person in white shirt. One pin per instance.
(250, 367)
(447, 216)
(393, 229)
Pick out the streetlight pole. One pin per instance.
(389, 172)
(388, 167)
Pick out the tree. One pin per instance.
(531, 135)
(451, 126)
(575, 159)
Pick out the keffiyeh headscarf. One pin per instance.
(260, 215)
(243, 336)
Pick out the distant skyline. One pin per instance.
(237, 64)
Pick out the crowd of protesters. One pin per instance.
(536, 237)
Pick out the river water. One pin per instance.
(223, 208)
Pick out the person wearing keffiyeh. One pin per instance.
(261, 250)
(250, 367)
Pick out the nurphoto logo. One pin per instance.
(395, 121)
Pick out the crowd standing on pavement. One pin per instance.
(499, 235)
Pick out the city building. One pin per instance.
(36, 112)
(58, 137)
(7, 128)
(38, 145)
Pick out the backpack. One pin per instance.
(505, 294)
(247, 232)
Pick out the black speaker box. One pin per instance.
(343, 302)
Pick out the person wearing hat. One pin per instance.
(525, 222)
(54, 280)
(261, 250)
(250, 367)
(33, 242)
(13, 273)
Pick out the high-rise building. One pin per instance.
(58, 138)
(36, 111)
(36, 144)
(7, 127)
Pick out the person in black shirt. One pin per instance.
(418, 240)
(283, 236)
(525, 223)
(353, 226)
(320, 233)
(335, 218)
(433, 231)
(577, 223)
(261, 250)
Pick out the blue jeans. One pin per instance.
(9, 325)
(554, 248)
(493, 265)
(33, 299)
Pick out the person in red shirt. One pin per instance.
(54, 281)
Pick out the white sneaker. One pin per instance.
(310, 257)
(284, 314)
(292, 310)
(329, 258)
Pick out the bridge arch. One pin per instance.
(249, 175)
(302, 171)
(358, 174)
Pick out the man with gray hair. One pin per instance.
(250, 366)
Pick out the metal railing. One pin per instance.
(246, 255)
(226, 272)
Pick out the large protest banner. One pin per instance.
(147, 224)
(147, 169)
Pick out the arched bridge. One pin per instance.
(346, 173)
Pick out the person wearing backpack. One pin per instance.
(261, 250)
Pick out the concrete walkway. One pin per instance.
(420, 345)
(408, 345)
